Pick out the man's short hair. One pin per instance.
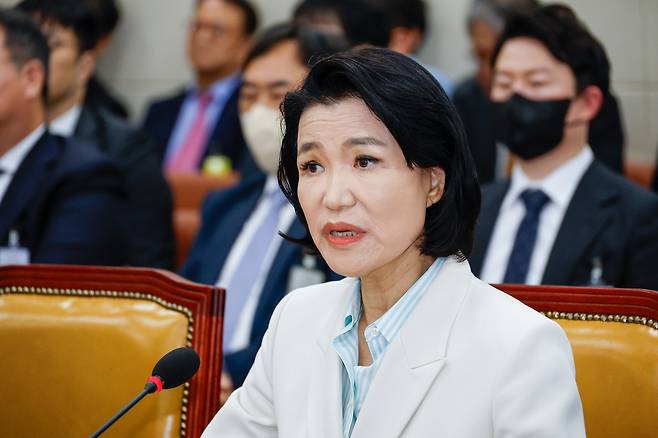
(495, 13)
(310, 9)
(108, 15)
(568, 40)
(24, 40)
(365, 22)
(313, 44)
(407, 13)
(74, 14)
(250, 15)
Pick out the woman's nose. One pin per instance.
(338, 192)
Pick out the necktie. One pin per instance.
(187, 157)
(247, 272)
(526, 237)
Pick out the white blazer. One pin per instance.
(470, 362)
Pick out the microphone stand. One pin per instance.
(149, 388)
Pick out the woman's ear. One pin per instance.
(437, 185)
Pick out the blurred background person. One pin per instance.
(71, 29)
(98, 95)
(366, 23)
(485, 22)
(323, 15)
(202, 120)
(409, 26)
(60, 201)
(563, 217)
(238, 246)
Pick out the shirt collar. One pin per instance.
(222, 88)
(271, 185)
(390, 322)
(559, 185)
(65, 124)
(12, 159)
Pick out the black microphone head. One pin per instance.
(177, 367)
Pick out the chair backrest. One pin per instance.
(614, 337)
(188, 192)
(640, 172)
(78, 342)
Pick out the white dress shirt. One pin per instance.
(559, 186)
(242, 333)
(65, 124)
(12, 159)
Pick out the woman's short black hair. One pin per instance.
(418, 113)
(558, 28)
(313, 44)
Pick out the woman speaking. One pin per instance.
(375, 162)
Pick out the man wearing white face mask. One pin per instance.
(238, 246)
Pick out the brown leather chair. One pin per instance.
(640, 172)
(614, 337)
(77, 343)
(188, 192)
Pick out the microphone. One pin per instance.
(172, 370)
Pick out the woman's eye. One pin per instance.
(310, 167)
(365, 162)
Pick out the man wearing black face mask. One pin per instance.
(562, 218)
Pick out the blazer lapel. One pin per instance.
(588, 213)
(492, 199)
(324, 414)
(25, 184)
(415, 358)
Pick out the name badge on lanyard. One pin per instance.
(305, 275)
(14, 254)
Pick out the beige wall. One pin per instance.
(147, 57)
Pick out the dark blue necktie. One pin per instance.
(526, 236)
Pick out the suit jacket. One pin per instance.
(98, 95)
(470, 362)
(476, 111)
(149, 197)
(606, 133)
(225, 138)
(608, 218)
(654, 185)
(224, 214)
(67, 204)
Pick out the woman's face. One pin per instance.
(364, 206)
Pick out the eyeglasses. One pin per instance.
(215, 30)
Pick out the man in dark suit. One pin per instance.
(238, 246)
(563, 217)
(202, 120)
(70, 26)
(486, 20)
(60, 201)
(98, 93)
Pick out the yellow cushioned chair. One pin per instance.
(77, 343)
(614, 337)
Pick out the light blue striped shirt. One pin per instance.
(356, 379)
